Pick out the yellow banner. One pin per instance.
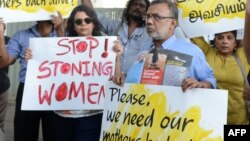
(163, 113)
(32, 10)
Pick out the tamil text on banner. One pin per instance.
(34, 10)
(204, 17)
(68, 73)
(163, 113)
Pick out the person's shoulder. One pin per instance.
(240, 52)
(188, 45)
(185, 42)
(24, 32)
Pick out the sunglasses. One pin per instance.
(86, 20)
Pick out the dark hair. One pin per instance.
(125, 14)
(91, 13)
(233, 31)
(172, 7)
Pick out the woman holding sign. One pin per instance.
(86, 124)
(79, 125)
(223, 58)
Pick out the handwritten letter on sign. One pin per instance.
(204, 17)
(163, 113)
(34, 10)
(68, 73)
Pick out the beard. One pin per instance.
(136, 16)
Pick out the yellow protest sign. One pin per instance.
(33, 10)
(151, 112)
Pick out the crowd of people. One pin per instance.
(144, 27)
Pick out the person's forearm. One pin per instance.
(118, 70)
(87, 3)
(60, 31)
(201, 43)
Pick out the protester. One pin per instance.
(86, 124)
(79, 125)
(26, 123)
(130, 30)
(4, 85)
(222, 59)
(161, 21)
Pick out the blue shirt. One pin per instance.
(136, 43)
(199, 68)
(17, 45)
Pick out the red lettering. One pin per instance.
(86, 72)
(83, 68)
(76, 92)
(56, 63)
(81, 47)
(107, 68)
(63, 45)
(42, 68)
(65, 68)
(91, 93)
(93, 44)
(45, 96)
(105, 53)
(93, 96)
(101, 93)
(74, 46)
(96, 68)
(76, 69)
(61, 92)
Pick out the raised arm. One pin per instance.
(201, 43)
(246, 40)
(87, 3)
(57, 20)
(5, 59)
(118, 77)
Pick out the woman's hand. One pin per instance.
(58, 22)
(28, 54)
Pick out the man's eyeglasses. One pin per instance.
(156, 17)
(86, 20)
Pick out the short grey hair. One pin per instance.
(172, 7)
